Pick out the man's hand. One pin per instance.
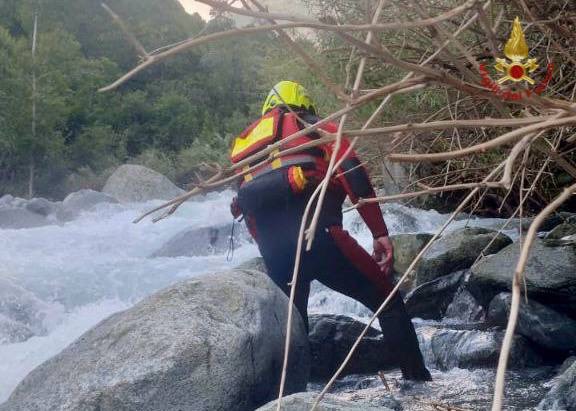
(384, 254)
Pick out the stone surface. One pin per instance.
(332, 336)
(42, 206)
(133, 184)
(406, 248)
(561, 231)
(430, 300)
(13, 331)
(22, 314)
(465, 309)
(213, 342)
(201, 241)
(550, 276)
(83, 200)
(562, 395)
(303, 402)
(445, 348)
(17, 218)
(536, 322)
(458, 250)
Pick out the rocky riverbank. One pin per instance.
(215, 341)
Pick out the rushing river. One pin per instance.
(84, 270)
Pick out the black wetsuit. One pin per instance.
(336, 259)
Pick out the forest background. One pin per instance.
(185, 111)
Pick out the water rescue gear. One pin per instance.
(289, 93)
(272, 196)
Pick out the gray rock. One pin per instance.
(464, 308)
(22, 315)
(12, 331)
(406, 248)
(458, 250)
(17, 218)
(133, 184)
(214, 342)
(562, 395)
(256, 263)
(303, 402)
(430, 300)
(536, 322)
(41, 206)
(561, 231)
(85, 200)
(444, 348)
(550, 276)
(23, 312)
(332, 336)
(201, 241)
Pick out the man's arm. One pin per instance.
(356, 182)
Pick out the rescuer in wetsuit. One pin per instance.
(273, 197)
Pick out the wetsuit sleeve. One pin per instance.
(354, 179)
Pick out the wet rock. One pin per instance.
(561, 231)
(406, 248)
(562, 395)
(84, 200)
(536, 322)
(214, 342)
(133, 183)
(464, 308)
(444, 348)
(201, 241)
(430, 300)
(303, 402)
(332, 336)
(17, 218)
(42, 206)
(550, 276)
(22, 315)
(12, 331)
(556, 219)
(254, 264)
(458, 250)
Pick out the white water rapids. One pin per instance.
(84, 270)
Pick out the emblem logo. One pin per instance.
(516, 68)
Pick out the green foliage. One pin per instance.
(171, 117)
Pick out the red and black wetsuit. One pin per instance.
(274, 214)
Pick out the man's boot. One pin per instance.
(400, 336)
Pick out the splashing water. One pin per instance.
(89, 268)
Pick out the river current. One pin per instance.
(84, 270)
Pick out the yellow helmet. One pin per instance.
(291, 94)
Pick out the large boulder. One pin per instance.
(84, 200)
(458, 250)
(214, 342)
(430, 300)
(561, 231)
(446, 348)
(133, 184)
(536, 322)
(201, 241)
(332, 336)
(406, 248)
(562, 395)
(22, 315)
(42, 206)
(550, 276)
(17, 218)
(464, 309)
(303, 402)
